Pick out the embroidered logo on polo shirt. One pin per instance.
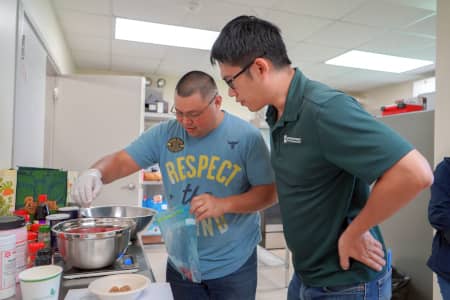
(290, 139)
(175, 144)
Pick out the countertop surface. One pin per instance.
(135, 249)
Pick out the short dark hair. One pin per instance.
(247, 37)
(196, 81)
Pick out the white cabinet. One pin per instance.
(151, 188)
(96, 116)
(29, 142)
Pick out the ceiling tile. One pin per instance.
(306, 52)
(422, 71)
(136, 49)
(426, 26)
(397, 44)
(295, 27)
(361, 80)
(88, 43)
(321, 71)
(86, 6)
(86, 24)
(382, 13)
(91, 60)
(254, 3)
(176, 62)
(426, 53)
(425, 4)
(344, 35)
(331, 9)
(134, 64)
(213, 15)
(171, 12)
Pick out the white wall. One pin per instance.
(44, 21)
(442, 105)
(8, 23)
(442, 121)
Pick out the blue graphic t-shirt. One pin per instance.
(228, 161)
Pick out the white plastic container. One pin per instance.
(41, 282)
(160, 107)
(16, 225)
(7, 265)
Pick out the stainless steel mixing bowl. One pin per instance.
(141, 215)
(82, 245)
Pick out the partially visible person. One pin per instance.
(439, 217)
(214, 162)
(326, 151)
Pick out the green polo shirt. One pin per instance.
(326, 151)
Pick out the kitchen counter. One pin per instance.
(135, 249)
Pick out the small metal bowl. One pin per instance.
(82, 247)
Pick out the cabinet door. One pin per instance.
(95, 116)
(29, 111)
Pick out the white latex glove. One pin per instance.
(87, 187)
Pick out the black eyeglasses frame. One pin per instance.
(193, 114)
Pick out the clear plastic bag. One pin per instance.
(179, 232)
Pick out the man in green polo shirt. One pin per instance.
(326, 151)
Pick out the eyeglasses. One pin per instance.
(230, 82)
(191, 115)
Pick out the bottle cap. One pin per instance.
(44, 228)
(42, 198)
(21, 212)
(57, 217)
(11, 222)
(35, 227)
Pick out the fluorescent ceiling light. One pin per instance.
(169, 35)
(377, 62)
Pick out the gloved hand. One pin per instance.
(87, 187)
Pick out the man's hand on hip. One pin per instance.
(365, 249)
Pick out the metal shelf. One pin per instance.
(152, 182)
(152, 116)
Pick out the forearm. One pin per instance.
(257, 198)
(116, 165)
(397, 187)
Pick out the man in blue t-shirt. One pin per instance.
(214, 162)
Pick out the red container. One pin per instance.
(400, 108)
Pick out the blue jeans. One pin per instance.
(240, 285)
(378, 289)
(444, 286)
